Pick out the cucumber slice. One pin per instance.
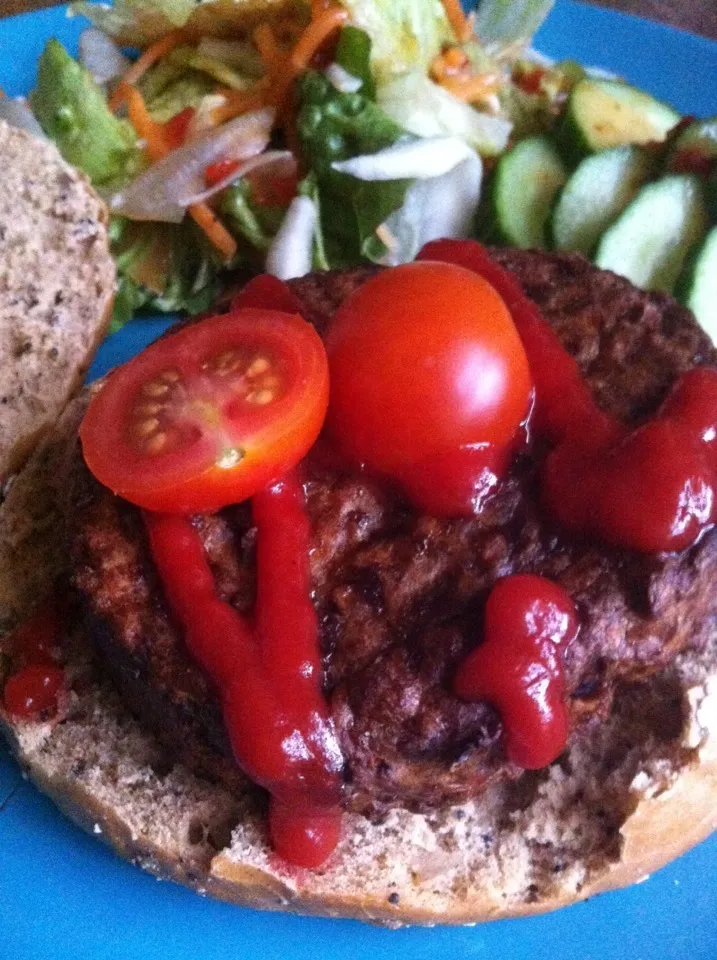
(596, 194)
(649, 242)
(526, 182)
(698, 287)
(608, 113)
(695, 149)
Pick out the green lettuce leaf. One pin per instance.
(165, 267)
(73, 111)
(353, 53)
(255, 224)
(335, 126)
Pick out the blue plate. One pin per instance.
(63, 896)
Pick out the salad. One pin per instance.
(295, 135)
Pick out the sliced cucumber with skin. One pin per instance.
(609, 113)
(526, 183)
(695, 149)
(698, 287)
(650, 241)
(596, 194)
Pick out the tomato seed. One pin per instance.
(156, 443)
(155, 389)
(258, 366)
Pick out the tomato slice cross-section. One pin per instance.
(209, 415)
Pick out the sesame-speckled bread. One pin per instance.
(633, 793)
(57, 284)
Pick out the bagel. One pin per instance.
(57, 285)
(633, 791)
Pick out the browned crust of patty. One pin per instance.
(399, 596)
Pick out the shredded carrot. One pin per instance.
(157, 147)
(455, 58)
(315, 34)
(471, 88)
(160, 48)
(216, 232)
(318, 31)
(3, 95)
(460, 23)
(269, 50)
(147, 129)
(238, 102)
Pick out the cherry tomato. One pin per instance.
(211, 414)
(424, 358)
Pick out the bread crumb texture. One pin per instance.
(57, 283)
(548, 839)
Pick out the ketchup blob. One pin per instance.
(268, 673)
(33, 688)
(519, 666)
(33, 691)
(652, 489)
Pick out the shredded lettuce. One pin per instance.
(73, 111)
(165, 267)
(427, 110)
(137, 20)
(187, 91)
(510, 24)
(406, 34)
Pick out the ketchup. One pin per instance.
(519, 666)
(652, 489)
(32, 690)
(268, 673)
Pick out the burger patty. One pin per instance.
(400, 595)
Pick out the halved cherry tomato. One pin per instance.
(209, 415)
(424, 359)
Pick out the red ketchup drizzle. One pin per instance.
(519, 667)
(33, 690)
(268, 673)
(651, 489)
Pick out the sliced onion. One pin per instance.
(283, 160)
(444, 206)
(166, 189)
(101, 56)
(412, 160)
(17, 113)
(342, 80)
(291, 252)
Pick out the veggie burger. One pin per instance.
(381, 592)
